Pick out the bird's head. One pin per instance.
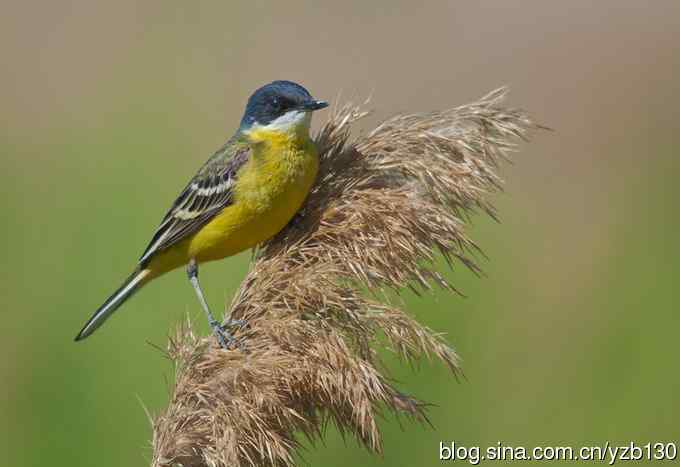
(280, 107)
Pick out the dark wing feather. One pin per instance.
(205, 196)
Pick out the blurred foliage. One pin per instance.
(570, 339)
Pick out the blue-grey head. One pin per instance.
(282, 106)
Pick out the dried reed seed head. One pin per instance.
(384, 207)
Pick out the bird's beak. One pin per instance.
(314, 105)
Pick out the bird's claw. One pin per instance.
(236, 323)
(224, 337)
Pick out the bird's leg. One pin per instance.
(225, 338)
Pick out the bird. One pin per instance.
(243, 195)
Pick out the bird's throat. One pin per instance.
(266, 141)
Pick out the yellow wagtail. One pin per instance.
(243, 195)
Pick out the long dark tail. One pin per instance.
(129, 287)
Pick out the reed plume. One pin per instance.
(385, 208)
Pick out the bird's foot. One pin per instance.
(224, 337)
(236, 323)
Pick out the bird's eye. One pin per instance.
(276, 103)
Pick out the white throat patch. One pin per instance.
(291, 121)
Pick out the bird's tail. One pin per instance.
(125, 291)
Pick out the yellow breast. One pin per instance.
(270, 188)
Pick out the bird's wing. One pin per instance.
(208, 193)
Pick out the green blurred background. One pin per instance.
(108, 108)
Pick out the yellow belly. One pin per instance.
(270, 189)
